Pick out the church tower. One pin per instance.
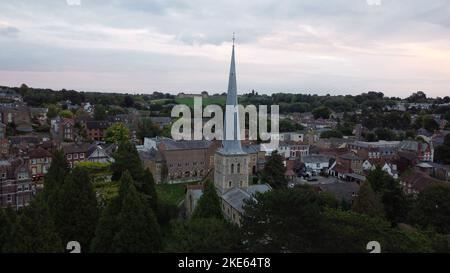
(230, 161)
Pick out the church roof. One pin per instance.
(236, 196)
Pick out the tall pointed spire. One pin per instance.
(232, 143)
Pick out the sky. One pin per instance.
(300, 46)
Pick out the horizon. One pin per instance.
(214, 93)
(138, 47)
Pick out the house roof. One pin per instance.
(94, 124)
(39, 153)
(350, 156)
(315, 159)
(341, 190)
(419, 180)
(71, 148)
(170, 144)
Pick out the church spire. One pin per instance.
(232, 144)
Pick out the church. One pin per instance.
(231, 172)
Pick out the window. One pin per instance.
(241, 184)
(82, 155)
(69, 156)
(229, 184)
(75, 156)
(9, 198)
(232, 168)
(239, 168)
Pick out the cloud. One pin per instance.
(8, 31)
(345, 46)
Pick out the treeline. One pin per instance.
(37, 97)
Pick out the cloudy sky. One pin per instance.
(308, 46)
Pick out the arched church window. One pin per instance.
(232, 168)
(229, 184)
(239, 168)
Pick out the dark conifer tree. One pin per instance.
(34, 231)
(208, 206)
(76, 214)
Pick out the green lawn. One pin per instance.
(219, 100)
(168, 193)
(171, 193)
(160, 101)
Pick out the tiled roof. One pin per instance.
(97, 125)
(419, 180)
(341, 190)
(39, 153)
(76, 148)
(170, 144)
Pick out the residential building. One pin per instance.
(76, 152)
(16, 187)
(96, 129)
(39, 161)
(316, 164)
(417, 181)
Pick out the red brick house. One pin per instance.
(96, 129)
(75, 152)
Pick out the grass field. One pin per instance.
(168, 193)
(219, 100)
(171, 193)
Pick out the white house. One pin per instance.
(316, 163)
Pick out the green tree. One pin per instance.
(76, 214)
(117, 133)
(433, 208)
(368, 202)
(274, 171)
(443, 151)
(331, 134)
(137, 228)
(34, 231)
(54, 179)
(5, 228)
(53, 111)
(202, 235)
(349, 232)
(208, 206)
(127, 158)
(106, 228)
(288, 220)
(321, 112)
(99, 112)
(146, 128)
(66, 114)
(392, 196)
(146, 186)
